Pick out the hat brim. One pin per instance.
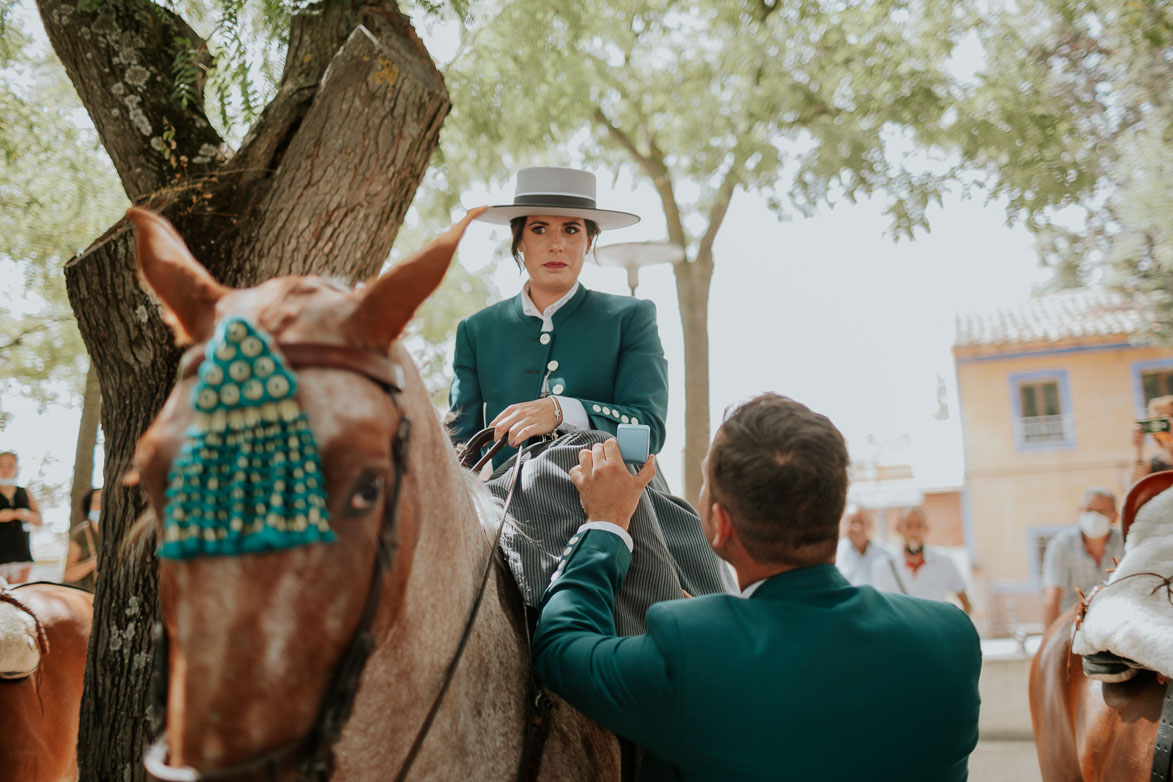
(604, 218)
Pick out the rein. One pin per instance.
(316, 747)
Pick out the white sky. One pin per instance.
(827, 310)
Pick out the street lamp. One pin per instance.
(632, 255)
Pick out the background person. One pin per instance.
(919, 570)
(1079, 556)
(1158, 407)
(18, 514)
(557, 357)
(758, 686)
(857, 553)
(81, 564)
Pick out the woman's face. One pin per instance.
(554, 248)
(7, 466)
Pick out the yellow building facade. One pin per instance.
(1049, 395)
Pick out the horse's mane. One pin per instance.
(488, 507)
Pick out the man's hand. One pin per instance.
(607, 490)
(525, 420)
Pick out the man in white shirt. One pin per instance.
(857, 553)
(920, 570)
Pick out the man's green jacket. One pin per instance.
(604, 351)
(809, 678)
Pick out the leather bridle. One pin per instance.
(313, 753)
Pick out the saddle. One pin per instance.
(22, 639)
(1126, 624)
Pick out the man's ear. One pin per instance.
(722, 526)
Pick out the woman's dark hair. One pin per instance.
(517, 225)
(780, 470)
(84, 505)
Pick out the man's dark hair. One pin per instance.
(517, 226)
(781, 472)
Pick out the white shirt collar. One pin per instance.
(749, 590)
(529, 308)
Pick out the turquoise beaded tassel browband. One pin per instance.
(248, 478)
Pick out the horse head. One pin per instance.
(277, 474)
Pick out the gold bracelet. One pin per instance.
(557, 411)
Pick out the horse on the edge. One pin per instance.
(258, 646)
(44, 632)
(1087, 730)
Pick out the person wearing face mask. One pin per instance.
(919, 570)
(18, 514)
(81, 565)
(1079, 557)
(557, 357)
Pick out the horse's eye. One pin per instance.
(365, 495)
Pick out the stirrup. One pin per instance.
(1108, 667)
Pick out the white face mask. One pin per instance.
(1094, 524)
(13, 481)
(93, 515)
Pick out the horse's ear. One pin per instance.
(186, 290)
(1141, 492)
(388, 303)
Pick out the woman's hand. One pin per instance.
(524, 420)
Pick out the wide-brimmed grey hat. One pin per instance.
(552, 190)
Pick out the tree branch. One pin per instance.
(656, 169)
(351, 167)
(25, 332)
(315, 36)
(721, 206)
(119, 58)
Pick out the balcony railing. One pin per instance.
(1042, 429)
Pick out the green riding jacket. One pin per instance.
(604, 351)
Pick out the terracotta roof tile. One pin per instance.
(1053, 317)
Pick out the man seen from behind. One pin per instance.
(802, 676)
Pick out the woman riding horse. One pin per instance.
(558, 360)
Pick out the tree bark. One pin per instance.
(320, 186)
(87, 440)
(693, 280)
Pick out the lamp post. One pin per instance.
(632, 255)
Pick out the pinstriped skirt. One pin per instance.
(670, 554)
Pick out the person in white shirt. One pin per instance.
(920, 570)
(857, 553)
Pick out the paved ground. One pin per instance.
(1004, 761)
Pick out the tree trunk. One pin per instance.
(692, 292)
(320, 186)
(87, 440)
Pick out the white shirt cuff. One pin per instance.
(607, 526)
(574, 415)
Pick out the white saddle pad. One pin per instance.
(19, 654)
(1132, 614)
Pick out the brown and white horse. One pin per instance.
(1087, 730)
(44, 632)
(255, 639)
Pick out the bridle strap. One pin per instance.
(306, 355)
(450, 672)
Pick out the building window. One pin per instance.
(1042, 410)
(1151, 379)
(1156, 383)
